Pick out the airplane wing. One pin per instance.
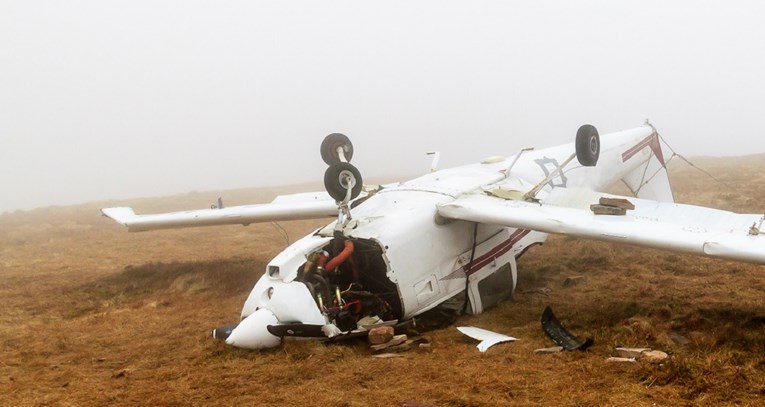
(663, 225)
(284, 207)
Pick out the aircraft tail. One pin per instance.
(649, 179)
(637, 157)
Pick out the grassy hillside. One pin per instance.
(92, 315)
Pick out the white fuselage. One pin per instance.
(427, 258)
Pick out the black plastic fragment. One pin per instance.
(297, 330)
(560, 335)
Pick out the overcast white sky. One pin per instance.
(115, 99)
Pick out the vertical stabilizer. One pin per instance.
(649, 180)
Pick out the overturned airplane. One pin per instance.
(399, 250)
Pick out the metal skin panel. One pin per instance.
(302, 206)
(667, 226)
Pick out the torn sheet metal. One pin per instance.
(560, 335)
(487, 338)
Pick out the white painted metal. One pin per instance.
(667, 226)
(425, 227)
(487, 338)
(299, 206)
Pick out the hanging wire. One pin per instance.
(282, 232)
(687, 161)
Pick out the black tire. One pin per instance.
(330, 145)
(587, 145)
(335, 177)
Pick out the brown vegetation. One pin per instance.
(92, 315)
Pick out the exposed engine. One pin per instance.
(348, 280)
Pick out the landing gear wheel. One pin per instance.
(330, 145)
(587, 145)
(339, 177)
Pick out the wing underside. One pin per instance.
(285, 207)
(669, 226)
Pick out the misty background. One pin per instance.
(116, 99)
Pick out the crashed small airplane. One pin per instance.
(399, 250)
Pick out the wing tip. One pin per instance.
(121, 214)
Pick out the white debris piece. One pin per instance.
(615, 359)
(487, 338)
(634, 353)
(368, 320)
(331, 330)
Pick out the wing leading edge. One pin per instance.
(662, 225)
(285, 207)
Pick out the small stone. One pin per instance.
(620, 360)
(401, 348)
(572, 281)
(545, 351)
(629, 352)
(654, 356)
(381, 335)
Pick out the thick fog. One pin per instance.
(116, 99)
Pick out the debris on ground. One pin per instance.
(388, 356)
(487, 338)
(614, 359)
(634, 353)
(367, 321)
(638, 354)
(397, 340)
(560, 335)
(546, 351)
(380, 335)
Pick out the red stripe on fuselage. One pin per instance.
(497, 251)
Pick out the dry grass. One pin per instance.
(92, 315)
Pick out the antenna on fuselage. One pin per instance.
(517, 156)
(434, 164)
